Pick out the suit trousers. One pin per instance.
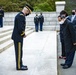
(1, 22)
(70, 56)
(36, 27)
(41, 26)
(63, 49)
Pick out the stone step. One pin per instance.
(5, 34)
(6, 41)
(6, 45)
(6, 28)
(29, 32)
(8, 37)
(8, 32)
(3, 31)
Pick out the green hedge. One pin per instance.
(38, 5)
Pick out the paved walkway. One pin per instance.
(39, 54)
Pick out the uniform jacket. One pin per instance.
(41, 18)
(1, 13)
(19, 27)
(36, 19)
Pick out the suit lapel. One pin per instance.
(74, 18)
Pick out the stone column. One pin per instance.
(60, 5)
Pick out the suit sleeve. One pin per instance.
(21, 25)
(3, 13)
(72, 31)
(43, 18)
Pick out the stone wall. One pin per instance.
(50, 18)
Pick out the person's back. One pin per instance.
(41, 18)
(36, 19)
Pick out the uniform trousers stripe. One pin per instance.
(19, 52)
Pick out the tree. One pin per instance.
(38, 5)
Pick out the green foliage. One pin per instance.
(70, 5)
(38, 5)
(43, 6)
(12, 7)
(47, 5)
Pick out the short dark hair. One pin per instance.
(64, 12)
(61, 16)
(41, 13)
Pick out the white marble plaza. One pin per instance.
(39, 54)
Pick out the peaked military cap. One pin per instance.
(29, 7)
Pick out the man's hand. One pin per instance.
(24, 36)
(74, 43)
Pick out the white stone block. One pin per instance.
(60, 5)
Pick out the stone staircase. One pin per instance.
(5, 37)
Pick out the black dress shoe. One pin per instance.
(62, 64)
(23, 68)
(66, 67)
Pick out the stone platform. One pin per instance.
(39, 54)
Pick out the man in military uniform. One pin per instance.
(1, 16)
(41, 21)
(36, 21)
(18, 35)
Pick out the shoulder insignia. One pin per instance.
(22, 14)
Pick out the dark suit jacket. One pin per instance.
(19, 27)
(69, 33)
(62, 28)
(41, 18)
(61, 32)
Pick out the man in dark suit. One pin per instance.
(71, 17)
(36, 21)
(41, 21)
(18, 35)
(63, 55)
(1, 16)
(69, 33)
